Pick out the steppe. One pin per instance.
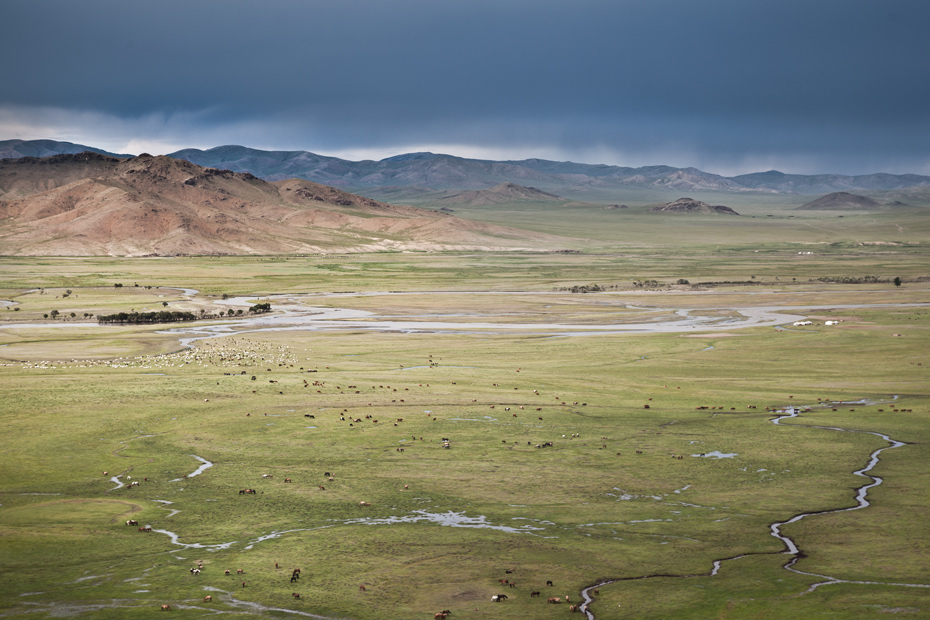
(448, 420)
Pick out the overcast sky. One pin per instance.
(727, 86)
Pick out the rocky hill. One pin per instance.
(499, 194)
(690, 205)
(842, 201)
(89, 204)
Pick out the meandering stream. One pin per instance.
(297, 316)
(791, 547)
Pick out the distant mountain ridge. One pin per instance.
(437, 171)
(12, 149)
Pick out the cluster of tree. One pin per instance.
(647, 284)
(162, 316)
(259, 308)
(852, 279)
(586, 288)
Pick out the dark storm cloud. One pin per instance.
(841, 83)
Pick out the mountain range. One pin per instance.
(429, 171)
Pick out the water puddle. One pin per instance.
(175, 539)
(166, 504)
(229, 598)
(448, 519)
(716, 454)
(482, 419)
(206, 465)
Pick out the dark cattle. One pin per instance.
(535, 593)
(548, 583)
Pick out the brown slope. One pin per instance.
(26, 176)
(159, 205)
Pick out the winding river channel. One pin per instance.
(791, 546)
(294, 314)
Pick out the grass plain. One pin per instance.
(608, 500)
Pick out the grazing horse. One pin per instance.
(239, 571)
(287, 480)
(207, 598)
(548, 583)
(440, 616)
(166, 607)
(497, 598)
(294, 577)
(554, 599)
(573, 608)
(132, 522)
(535, 593)
(361, 588)
(295, 595)
(226, 572)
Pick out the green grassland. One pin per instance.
(608, 501)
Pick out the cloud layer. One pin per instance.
(723, 85)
